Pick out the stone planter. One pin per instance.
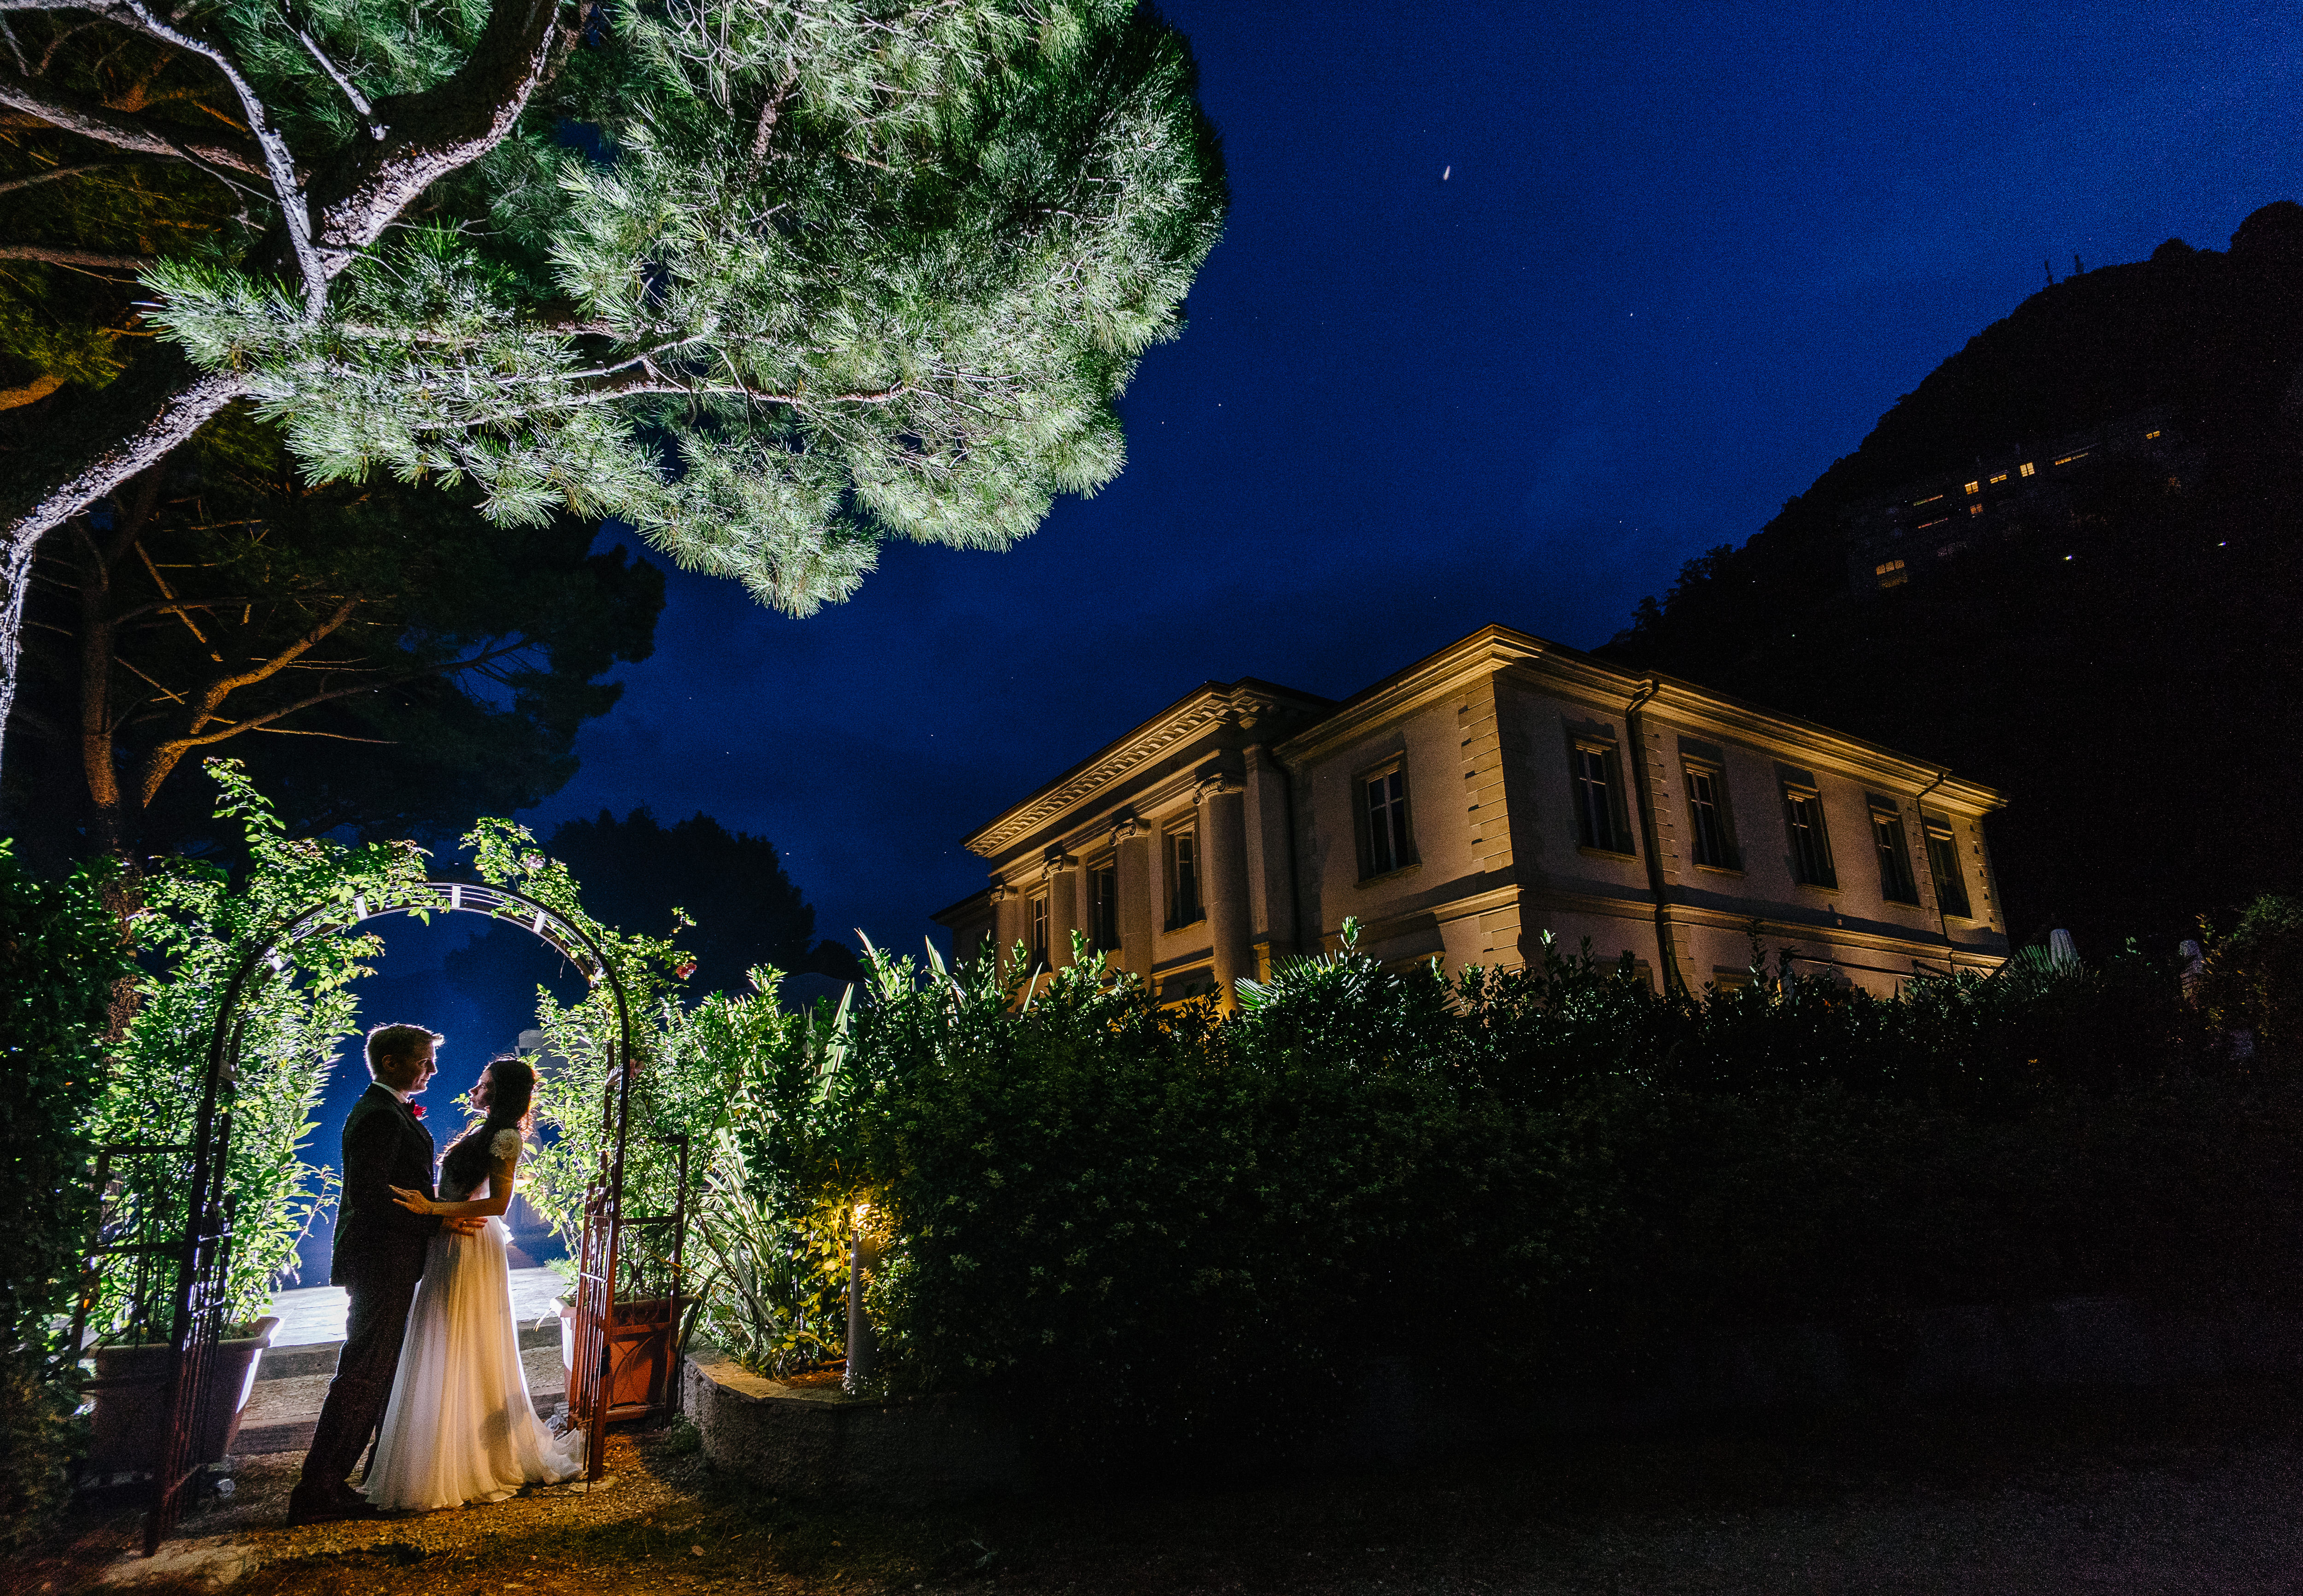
(642, 1346)
(129, 1425)
(814, 1441)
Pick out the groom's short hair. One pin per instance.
(389, 1045)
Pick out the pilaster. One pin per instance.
(1223, 826)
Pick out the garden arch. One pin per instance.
(207, 1237)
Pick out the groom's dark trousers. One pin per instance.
(379, 1257)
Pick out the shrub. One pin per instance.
(2252, 979)
(1171, 1227)
(60, 954)
(198, 926)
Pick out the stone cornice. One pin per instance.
(1490, 649)
(1554, 668)
(1246, 703)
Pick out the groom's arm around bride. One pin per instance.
(379, 1257)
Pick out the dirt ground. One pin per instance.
(2197, 1490)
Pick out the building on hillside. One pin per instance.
(1504, 787)
(1910, 533)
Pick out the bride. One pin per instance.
(460, 1426)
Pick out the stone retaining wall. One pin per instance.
(814, 1441)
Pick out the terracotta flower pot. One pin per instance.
(129, 1425)
(642, 1338)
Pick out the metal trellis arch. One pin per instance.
(204, 1248)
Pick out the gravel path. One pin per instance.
(2193, 1491)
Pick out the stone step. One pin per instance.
(319, 1357)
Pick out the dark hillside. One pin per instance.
(2126, 670)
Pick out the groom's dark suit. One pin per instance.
(379, 1258)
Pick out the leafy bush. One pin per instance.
(60, 954)
(1163, 1223)
(199, 926)
(2252, 979)
(677, 1088)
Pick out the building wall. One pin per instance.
(1272, 783)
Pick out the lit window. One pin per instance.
(2067, 460)
(1183, 879)
(1600, 820)
(2148, 435)
(1039, 927)
(1810, 845)
(1939, 521)
(1384, 797)
(1975, 510)
(1943, 864)
(1103, 896)
(1930, 498)
(1881, 570)
(1895, 882)
(2027, 469)
(2001, 477)
(1975, 487)
(1706, 815)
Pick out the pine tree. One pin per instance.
(768, 280)
(379, 656)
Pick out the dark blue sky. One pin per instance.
(1683, 257)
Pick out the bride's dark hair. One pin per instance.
(505, 1095)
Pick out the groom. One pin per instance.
(379, 1257)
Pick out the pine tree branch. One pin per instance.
(162, 402)
(279, 160)
(440, 130)
(120, 129)
(223, 687)
(11, 185)
(118, 265)
(164, 757)
(336, 74)
(31, 393)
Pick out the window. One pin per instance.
(1036, 915)
(1930, 498)
(1891, 573)
(1943, 864)
(1103, 907)
(1600, 820)
(2027, 469)
(2149, 435)
(1383, 823)
(1183, 878)
(1941, 520)
(2068, 458)
(1975, 510)
(1713, 840)
(2001, 477)
(1975, 487)
(1810, 844)
(1895, 882)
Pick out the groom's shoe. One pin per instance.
(308, 1505)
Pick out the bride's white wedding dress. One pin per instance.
(460, 1427)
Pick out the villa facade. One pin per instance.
(1504, 787)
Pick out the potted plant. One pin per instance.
(199, 926)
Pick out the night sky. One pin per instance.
(1681, 260)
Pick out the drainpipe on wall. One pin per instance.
(1667, 955)
(1942, 921)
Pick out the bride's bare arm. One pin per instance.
(501, 1180)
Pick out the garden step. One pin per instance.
(319, 1357)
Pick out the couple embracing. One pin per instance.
(430, 1362)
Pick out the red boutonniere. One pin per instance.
(416, 1109)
